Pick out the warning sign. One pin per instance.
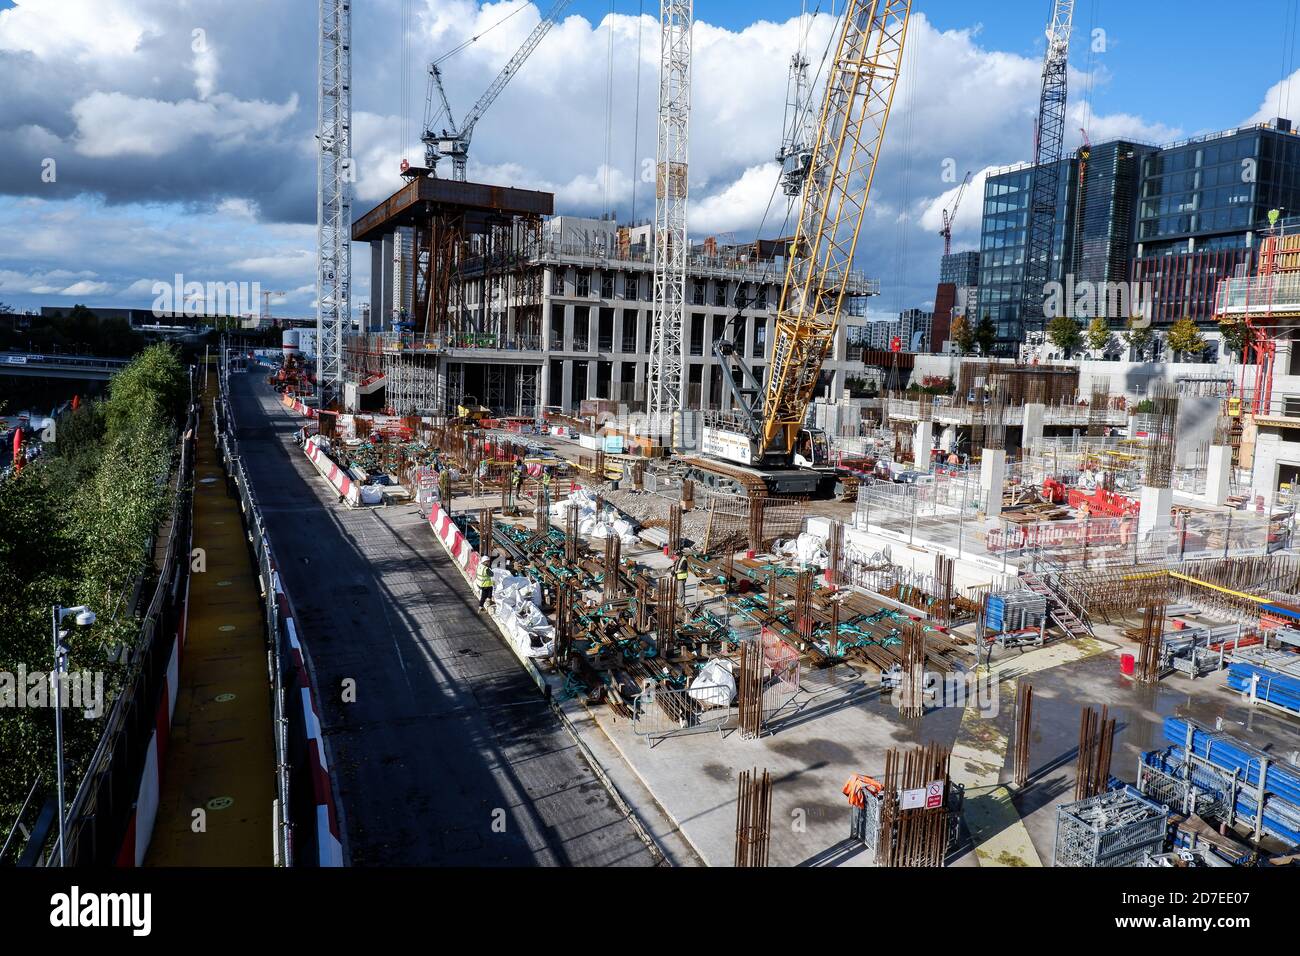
(934, 794)
(912, 799)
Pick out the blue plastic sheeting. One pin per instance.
(1284, 611)
(1231, 754)
(1274, 687)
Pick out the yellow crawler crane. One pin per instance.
(764, 437)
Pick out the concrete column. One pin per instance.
(1264, 470)
(922, 442)
(1218, 471)
(993, 469)
(1154, 505)
(544, 384)
(1033, 427)
(566, 385)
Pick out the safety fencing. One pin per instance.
(296, 405)
(306, 818)
(335, 474)
(110, 817)
(660, 711)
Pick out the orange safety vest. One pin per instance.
(858, 786)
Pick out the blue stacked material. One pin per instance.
(1279, 689)
(1281, 782)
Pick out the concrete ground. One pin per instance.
(449, 755)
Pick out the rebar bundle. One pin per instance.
(753, 818)
(1150, 645)
(803, 604)
(1160, 453)
(919, 836)
(1024, 730)
(571, 534)
(675, 528)
(911, 691)
(666, 615)
(1096, 742)
(1097, 406)
(613, 558)
(749, 690)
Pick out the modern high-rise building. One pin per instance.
(1170, 221)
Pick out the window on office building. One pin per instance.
(583, 286)
(607, 285)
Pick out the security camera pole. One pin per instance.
(84, 617)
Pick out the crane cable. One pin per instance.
(474, 39)
(636, 110)
(609, 100)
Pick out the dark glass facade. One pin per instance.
(1003, 237)
(1181, 217)
(960, 268)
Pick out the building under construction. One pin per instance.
(477, 294)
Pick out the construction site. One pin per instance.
(997, 614)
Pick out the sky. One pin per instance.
(150, 138)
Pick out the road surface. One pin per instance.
(448, 756)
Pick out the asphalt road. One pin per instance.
(448, 756)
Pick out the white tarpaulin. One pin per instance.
(516, 600)
(714, 686)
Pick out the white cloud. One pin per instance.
(116, 125)
(81, 29)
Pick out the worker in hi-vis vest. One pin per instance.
(681, 569)
(484, 582)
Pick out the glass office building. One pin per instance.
(1177, 217)
(1003, 237)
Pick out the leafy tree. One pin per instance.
(1098, 334)
(1064, 333)
(153, 385)
(1235, 335)
(986, 335)
(1185, 337)
(1138, 336)
(962, 335)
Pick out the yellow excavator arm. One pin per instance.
(850, 129)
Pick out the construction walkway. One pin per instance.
(221, 757)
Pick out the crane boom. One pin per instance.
(850, 130)
(455, 142)
(950, 217)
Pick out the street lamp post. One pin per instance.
(84, 617)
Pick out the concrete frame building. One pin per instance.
(566, 318)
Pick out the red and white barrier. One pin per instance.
(328, 842)
(335, 475)
(454, 541)
(139, 830)
(305, 410)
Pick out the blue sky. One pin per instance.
(174, 159)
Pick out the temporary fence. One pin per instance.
(661, 711)
(1115, 828)
(308, 832)
(111, 814)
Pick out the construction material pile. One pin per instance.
(1249, 773)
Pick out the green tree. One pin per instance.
(986, 335)
(1138, 335)
(1235, 335)
(962, 335)
(1098, 334)
(1185, 338)
(1065, 334)
(152, 386)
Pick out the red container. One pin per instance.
(1179, 625)
(1127, 665)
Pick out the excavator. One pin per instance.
(763, 446)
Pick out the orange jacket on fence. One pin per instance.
(858, 786)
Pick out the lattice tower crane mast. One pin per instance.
(850, 130)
